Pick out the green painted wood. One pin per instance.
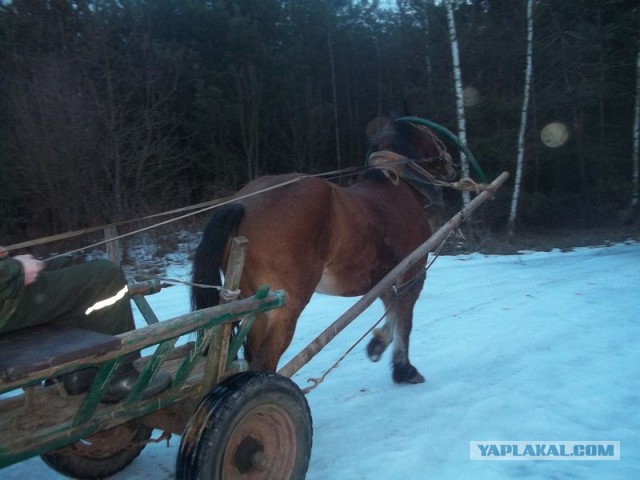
(84, 415)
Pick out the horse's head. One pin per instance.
(417, 143)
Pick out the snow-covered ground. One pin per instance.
(531, 347)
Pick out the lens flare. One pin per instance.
(554, 135)
(470, 96)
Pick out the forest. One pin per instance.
(115, 109)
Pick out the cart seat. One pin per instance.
(30, 349)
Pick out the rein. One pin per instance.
(171, 220)
(199, 208)
(464, 184)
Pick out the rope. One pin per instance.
(176, 281)
(224, 292)
(210, 207)
(464, 184)
(206, 206)
(319, 380)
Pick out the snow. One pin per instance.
(535, 346)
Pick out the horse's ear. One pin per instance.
(375, 126)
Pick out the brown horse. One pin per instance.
(309, 235)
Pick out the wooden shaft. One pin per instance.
(146, 287)
(302, 358)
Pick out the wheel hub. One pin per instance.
(249, 455)
(262, 445)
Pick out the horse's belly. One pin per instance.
(328, 285)
(342, 285)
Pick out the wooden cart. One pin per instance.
(231, 423)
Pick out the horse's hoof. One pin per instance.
(375, 349)
(407, 374)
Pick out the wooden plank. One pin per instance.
(310, 351)
(48, 424)
(28, 350)
(113, 245)
(154, 334)
(219, 344)
(149, 287)
(145, 309)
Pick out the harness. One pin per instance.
(396, 167)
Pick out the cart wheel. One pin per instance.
(102, 454)
(254, 425)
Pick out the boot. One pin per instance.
(125, 377)
(79, 381)
(122, 381)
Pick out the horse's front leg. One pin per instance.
(383, 337)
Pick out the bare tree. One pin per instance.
(53, 142)
(250, 105)
(457, 77)
(334, 96)
(428, 63)
(137, 115)
(523, 121)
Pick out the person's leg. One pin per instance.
(64, 295)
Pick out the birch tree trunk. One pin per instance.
(427, 34)
(628, 214)
(457, 76)
(334, 96)
(636, 136)
(513, 214)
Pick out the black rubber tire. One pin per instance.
(87, 459)
(253, 425)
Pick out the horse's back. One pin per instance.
(285, 205)
(287, 222)
(307, 233)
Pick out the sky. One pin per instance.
(533, 347)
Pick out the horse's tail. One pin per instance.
(207, 260)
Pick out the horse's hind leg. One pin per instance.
(402, 309)
(272, 333)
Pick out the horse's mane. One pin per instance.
(395, 136)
